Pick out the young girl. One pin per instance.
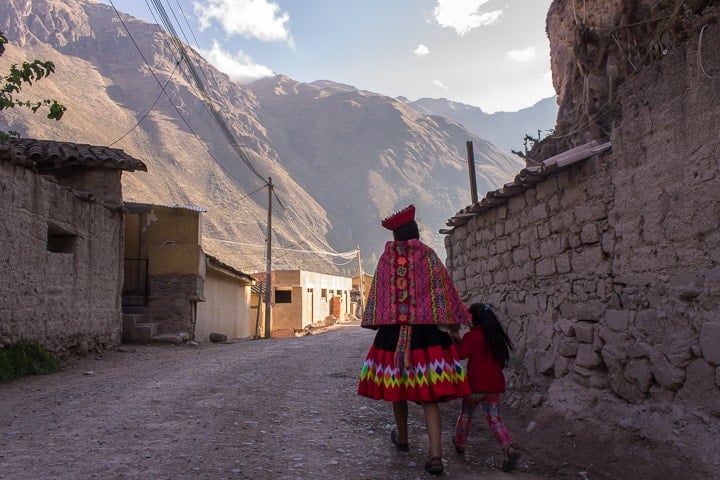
(487, 348)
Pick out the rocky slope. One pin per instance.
(504, 129)
(340, 158)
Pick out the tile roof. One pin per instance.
(527, 178)
(47, 155)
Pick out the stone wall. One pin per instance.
(172, 301)
(607, 274)
(60, 260)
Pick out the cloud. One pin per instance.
(239, 68)
(521, 55)
(421, 51)
(260, 19)
(464, 15)
(438, 83)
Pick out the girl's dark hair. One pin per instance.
(406, 232)
(496, 340)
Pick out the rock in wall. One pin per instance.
(596, 46)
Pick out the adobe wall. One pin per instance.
(67, 300)
(607, 274)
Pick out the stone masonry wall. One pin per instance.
(66, 300)
(607, 274)
(172, 300)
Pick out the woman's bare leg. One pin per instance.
(434, 427)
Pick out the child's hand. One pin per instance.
(455, 334)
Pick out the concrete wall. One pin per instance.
(226, 308)
(608, 274)
(335, 287)
(67, 299)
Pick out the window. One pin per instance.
(323, 294)
(59, 240)
(283, 296)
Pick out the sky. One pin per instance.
(491, 54)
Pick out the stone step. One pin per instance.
(174, 338)
(145, 332)
(136, 328)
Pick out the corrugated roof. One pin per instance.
(527, 178)
(139, 206)
(47, 155)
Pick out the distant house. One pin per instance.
(360, 285)
(173, 290)
(301, 298)
(62, 243)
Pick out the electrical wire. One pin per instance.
(162, 90)
(208, 103)
(177, 110)
(344, 255)
(204, 94)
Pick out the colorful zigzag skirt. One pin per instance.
(431, 372)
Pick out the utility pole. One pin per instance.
(471, 170)
(361, 282)
(268, 260)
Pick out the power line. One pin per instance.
(203, 94)
(162, 90)
(344, 255)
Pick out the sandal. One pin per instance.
(511, 460)
(434, 466)
(401, 447)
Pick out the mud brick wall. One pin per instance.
(607, 274)
(66, 297)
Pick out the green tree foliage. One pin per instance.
(12, 83)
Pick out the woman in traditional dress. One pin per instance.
(412, 304)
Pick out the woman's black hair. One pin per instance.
(496, 340)
(406, 232)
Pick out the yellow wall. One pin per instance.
(176, 259)
(162, 225)
(169, 237)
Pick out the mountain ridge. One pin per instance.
(340, 158)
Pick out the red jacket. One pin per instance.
(485, 373)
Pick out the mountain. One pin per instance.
(507, 130)
(340, 158)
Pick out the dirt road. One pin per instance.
(265, 409)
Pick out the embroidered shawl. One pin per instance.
(411, 286)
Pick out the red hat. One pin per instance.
(398, 219)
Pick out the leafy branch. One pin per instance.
(19, 76)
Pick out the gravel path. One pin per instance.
(266, 409)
